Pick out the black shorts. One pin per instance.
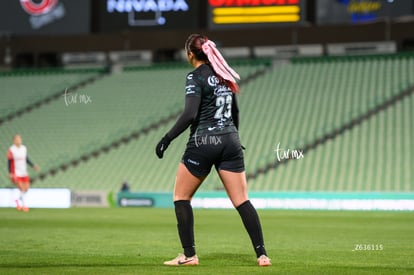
(222, 151)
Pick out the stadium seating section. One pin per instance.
(100, 134)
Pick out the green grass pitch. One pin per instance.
(137, 241)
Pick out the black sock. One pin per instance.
(185, 224)
(251, 222)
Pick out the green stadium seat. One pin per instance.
(292, 104)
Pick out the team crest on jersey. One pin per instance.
(212, 80)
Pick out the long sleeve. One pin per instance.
(190, 112)
(10, 161)
(28, 161)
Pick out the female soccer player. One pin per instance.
(211, 110)
(17, 157)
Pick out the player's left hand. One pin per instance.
(162, 146)
(36, 168)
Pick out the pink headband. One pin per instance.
(220, 65)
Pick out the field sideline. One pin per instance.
(137, 241)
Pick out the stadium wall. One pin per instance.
(281, 200)
(64, 198)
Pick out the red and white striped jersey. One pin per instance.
(18, 160)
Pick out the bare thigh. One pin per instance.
(235, 185)
(186, 184)
(22, 186)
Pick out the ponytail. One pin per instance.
(220, 65)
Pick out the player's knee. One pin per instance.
(239, 200)
(181, 197)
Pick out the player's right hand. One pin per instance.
(162, 146)
(13, 177)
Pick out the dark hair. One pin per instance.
(193, 44)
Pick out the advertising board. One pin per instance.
(244, 13)
(360, 11)
(119, 15)
(45, 17)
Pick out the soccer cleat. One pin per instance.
(181, 259)
(25, 209)
(263, 261)
(18, 207)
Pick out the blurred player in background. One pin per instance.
(212, 112)
(18, 160)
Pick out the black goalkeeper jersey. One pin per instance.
(210, 106)
(215, 113)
